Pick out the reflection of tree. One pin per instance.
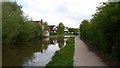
(60, 41)
(17, 55)
(38, 45)
(45, 45)
(53, 40)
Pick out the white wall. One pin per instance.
(46, 33)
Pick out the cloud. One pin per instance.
(70, 12)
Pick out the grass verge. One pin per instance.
(64, 57)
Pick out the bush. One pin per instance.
(16, 26)
(103, 30)
(53, 33)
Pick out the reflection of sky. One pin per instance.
(41, 59)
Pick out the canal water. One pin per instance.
(35, 53)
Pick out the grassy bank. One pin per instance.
(64, 57)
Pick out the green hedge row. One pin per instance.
(103, 30)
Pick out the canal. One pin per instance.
(35, 53)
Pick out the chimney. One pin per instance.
(41, 21)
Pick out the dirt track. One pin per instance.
(83, 56)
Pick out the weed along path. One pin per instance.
(83, 56)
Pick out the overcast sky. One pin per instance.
(69, 12)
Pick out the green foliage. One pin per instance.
(104, 29)
(45, 26)
(64, 57)
(74, 30)
(60, 41)
(28, 31)
(11, 20)
(15, 26)
(61, 28)
(53, 33)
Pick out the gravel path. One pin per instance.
(83, 56)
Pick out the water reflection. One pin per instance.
(60, 41)
(36, 53)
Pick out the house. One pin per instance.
(52, 28)
(42, 26)
(66, 30)
(40, 23)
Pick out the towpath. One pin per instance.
(83, 56)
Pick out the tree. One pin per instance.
(61, 28)
(12, 19)
(71, 29)
(103, 29)
(74, 30)
(17, 27)
(46, 26)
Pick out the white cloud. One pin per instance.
(70, 12)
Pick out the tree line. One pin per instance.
(103, 30)
(16, 26)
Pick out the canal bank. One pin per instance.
(64, 57)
